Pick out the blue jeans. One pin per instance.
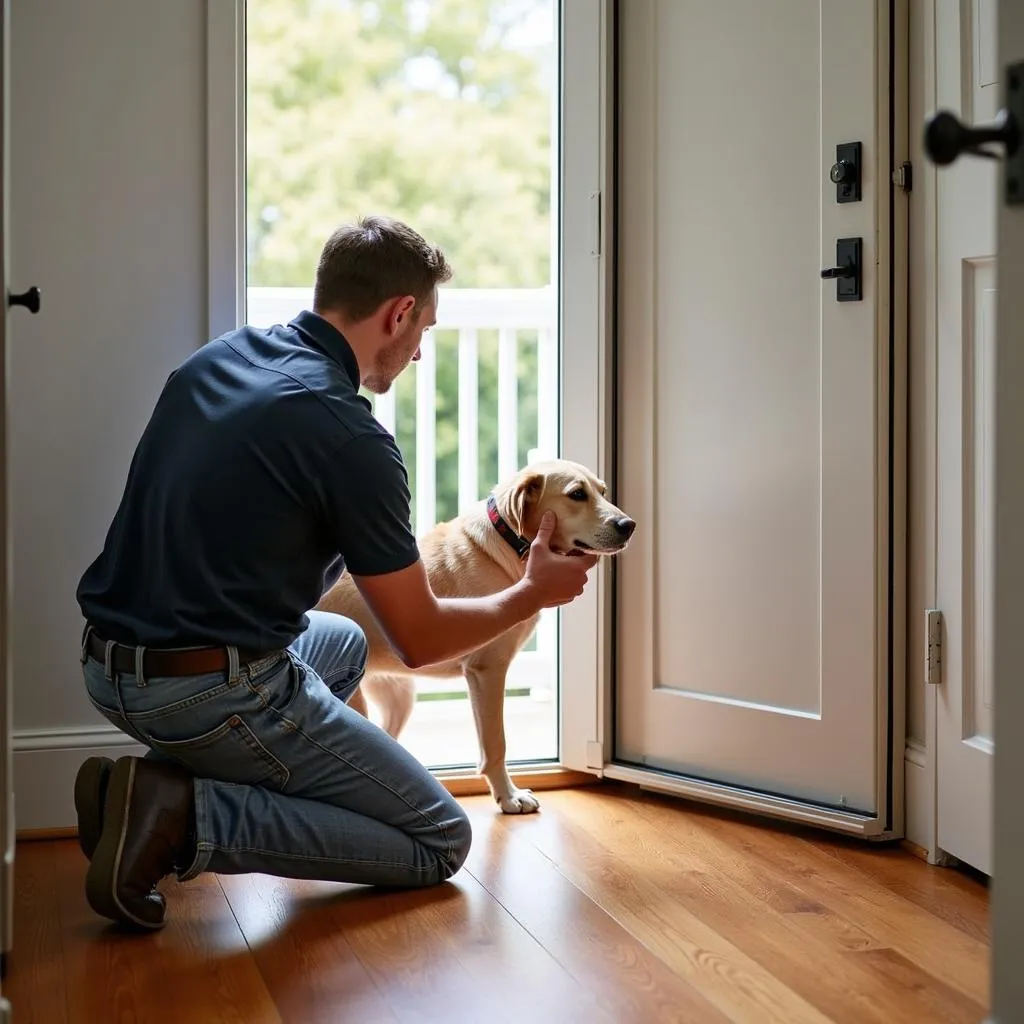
(290, 781)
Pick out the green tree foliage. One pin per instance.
(434, 111)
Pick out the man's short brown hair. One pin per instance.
(378, 258)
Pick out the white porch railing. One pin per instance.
(469, 311)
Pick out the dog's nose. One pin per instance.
(625, 526)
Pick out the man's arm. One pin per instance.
(365, 498)
(426, 630)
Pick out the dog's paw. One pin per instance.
(519, 801)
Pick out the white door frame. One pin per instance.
(584, 178)
(587, 378)
(225, 164)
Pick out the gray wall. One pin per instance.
(108, 218)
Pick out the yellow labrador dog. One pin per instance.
(476, 554)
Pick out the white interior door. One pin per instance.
(967, 84)
(7, 828)
(752, 610)
(1008, 883)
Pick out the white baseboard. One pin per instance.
(917, 790)
(45, 764)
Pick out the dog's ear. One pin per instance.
(525, 493)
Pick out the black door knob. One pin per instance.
(842, 170)
(29, 299)
(946, 138)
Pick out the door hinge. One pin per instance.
(595, 223)
(595, 754)
(903, 176)
(933, 643)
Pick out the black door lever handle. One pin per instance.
(848, 271)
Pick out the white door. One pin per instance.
(7, 829)
(1008, 591)
(980, 70)
(967, 82)
(754, 442)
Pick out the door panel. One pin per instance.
(7, 826)
(1008, 594)
(752, 605)
(967, 83)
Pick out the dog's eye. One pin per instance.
(578, 495)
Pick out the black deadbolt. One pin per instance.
(845, 172)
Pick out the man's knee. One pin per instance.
(459, 835)
(358, 650)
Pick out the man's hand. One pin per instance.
(552, 578)
(424, 630)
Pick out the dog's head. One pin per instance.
(586, 519)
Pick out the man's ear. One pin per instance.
(401, 310)
(525, 493)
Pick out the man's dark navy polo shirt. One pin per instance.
(261, 475)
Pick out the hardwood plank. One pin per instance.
(739, 986)
(703, 847)
(783, 938)
(937, 1002)
(934, 945)
(445, 954)
(35, 982)
(197, 968)
(297, 932)
(947, 893)
(521, 979)
(634, 985)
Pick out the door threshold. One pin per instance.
(654, 780)
(469, 782)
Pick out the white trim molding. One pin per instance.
(920, 795)
(225, 164)
(46, 762)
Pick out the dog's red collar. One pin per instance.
(518, 544)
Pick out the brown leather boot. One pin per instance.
(147, 831)
(90, 798)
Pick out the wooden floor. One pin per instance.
(610, 905)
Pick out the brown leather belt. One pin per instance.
(195, 661)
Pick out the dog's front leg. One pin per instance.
(487, 695)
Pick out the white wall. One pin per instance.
(108, 218)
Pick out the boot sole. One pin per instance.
(101, 878)
(90, 784)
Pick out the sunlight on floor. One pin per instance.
(441, 733)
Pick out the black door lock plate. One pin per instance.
(847, 270)
(845, 172)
